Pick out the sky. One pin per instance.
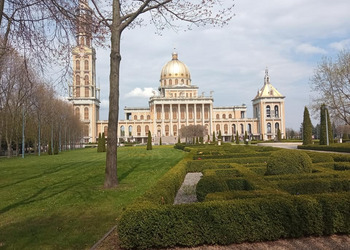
(289, 37)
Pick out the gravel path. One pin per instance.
(187, 191)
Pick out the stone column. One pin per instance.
(171, 133)
(162, 116)
(186, 114)
(195, 113)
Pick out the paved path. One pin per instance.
(288, 145)
(187, 191)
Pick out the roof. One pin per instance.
(268, 90)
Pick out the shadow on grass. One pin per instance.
(57, 230)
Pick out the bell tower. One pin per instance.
(268, 108)
(83, 92)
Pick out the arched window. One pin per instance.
(276, 111)
(86, 113)
(233, 129)
(182, 113)
(166, 130)
(141, 117)
(206, 113)
(175, 130)
(159, 113)
(146, 129)
(148, 117)
(217, 128)
(170, 82)
(130, 130)
(198, 114)
(86, 80)
(218, 116)
(86, 91)
(122, 131)
(277, 127)
(176, 81)
(249, 128)
(268, 127)
(230, 116)
(77, 92)
(77, 80)
(242, 129)
(77, 64)
(86, 65)
(268, 111)
(223, 116)
(138, 130)
(105, 130)
(226, 129)
(77, 112)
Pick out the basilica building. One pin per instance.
(177, 103)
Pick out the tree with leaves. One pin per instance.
(307, 128)
(149, 140)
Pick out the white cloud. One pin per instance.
(340, 45)
(138, 92)
(310, 49)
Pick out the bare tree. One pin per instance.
(192, 131)
(331, 83)
(163, 14)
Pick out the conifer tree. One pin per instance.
(245, 137)
(160, 141)
(197, 140)
(232, 138)
(220, 136)
(103, 143)
(237, 138)
(208, 139)
(178, 140)
(345, 136)
(323, 134)
(149, 140)
(330, 128)
(307, 128)
(213, 136)
(279, 135)
(99, 143)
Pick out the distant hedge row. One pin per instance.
(226, 222)
(343, 147)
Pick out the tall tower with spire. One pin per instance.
(268, 108)
(83, 92)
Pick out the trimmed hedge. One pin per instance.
(242, 194)
(314, 186)
(317, 157)
(288, 162)
(227, 222)
(340, 147)
(341, 166)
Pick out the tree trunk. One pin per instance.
(111, 179)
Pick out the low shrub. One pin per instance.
(341, 158)
(226, 172)
(259, 170)
(239, 184)
(341, 166)
(288, 162)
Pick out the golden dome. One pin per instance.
(175, 73)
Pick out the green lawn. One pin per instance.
(58, 202)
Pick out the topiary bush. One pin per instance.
(288, 162)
